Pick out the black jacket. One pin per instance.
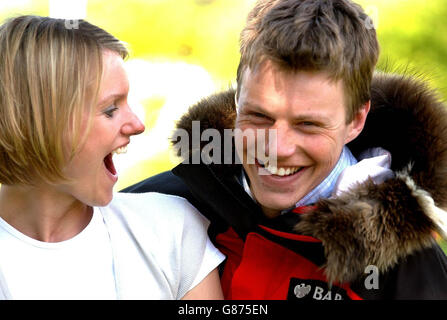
(389, 225)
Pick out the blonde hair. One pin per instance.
(49, 81)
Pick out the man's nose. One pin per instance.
(285, 140)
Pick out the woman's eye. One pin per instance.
(110, 111)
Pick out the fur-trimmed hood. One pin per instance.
(373, 224)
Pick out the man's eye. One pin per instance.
(256, 116)
(309, 126)
(110, 111)
(307, 123)
(260, 115)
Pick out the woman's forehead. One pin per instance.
(114, 81)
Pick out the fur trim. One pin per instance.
(437, 215)
(217, 111)
(375, 224)
(409, 120)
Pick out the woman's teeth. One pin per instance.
(120, 150)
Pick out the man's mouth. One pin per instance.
(278, 171)
(108, 161)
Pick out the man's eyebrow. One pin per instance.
(310, 116)
(254, 107)
(115, 96)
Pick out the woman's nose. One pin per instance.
(132, 125)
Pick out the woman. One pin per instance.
(63, 116)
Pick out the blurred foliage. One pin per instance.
(203, 32)
(412, 35)
(443, 244)
(413, 38)
(9, 8)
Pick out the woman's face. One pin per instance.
(91, 170)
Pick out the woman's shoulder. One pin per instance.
(153, 199)
(156, 233)
(152, 208)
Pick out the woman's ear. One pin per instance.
(358, 122)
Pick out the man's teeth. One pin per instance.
(120, 150)
(282, 171)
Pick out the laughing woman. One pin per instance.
(63, 116)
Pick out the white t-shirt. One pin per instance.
(140, 246)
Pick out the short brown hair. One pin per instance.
(333, 36)
(50, 73)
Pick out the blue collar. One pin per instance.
(325, 188)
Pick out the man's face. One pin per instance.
(308, 112)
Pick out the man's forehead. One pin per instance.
(313, 98)
(277, 72)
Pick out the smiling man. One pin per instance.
(349, 206)
(307, 110)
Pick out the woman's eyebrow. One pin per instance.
(114, 96)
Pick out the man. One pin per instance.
(345, 204)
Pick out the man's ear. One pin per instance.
(358, 122)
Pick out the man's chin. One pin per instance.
(273, 209)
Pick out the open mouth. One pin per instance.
(108, 161)
(279, 171)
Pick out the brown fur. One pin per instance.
(372, 225)
(375, 224)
